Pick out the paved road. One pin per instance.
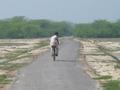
(64, 74)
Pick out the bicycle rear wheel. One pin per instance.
(54, 56)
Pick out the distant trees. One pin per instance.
(22, 27)
(98, 29)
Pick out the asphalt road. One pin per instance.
(66, 73)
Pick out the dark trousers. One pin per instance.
(54, 48)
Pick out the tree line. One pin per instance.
(22, 27)
(98, 29)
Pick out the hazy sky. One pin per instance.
(68, 10)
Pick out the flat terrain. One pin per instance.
(66, 73)
(16, 53)
(103, 56)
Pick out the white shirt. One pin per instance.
(53, 40)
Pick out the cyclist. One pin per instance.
(54, 42)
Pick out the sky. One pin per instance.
(77, 11)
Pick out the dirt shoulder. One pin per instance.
(101, 58)
(16, 53)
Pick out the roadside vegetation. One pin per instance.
(41, 44)
(103, 61)
(112, 85)
(4, 79)
(103, 77)
(16, 53)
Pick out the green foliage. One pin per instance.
(112, 85)
(103, 77)
(21, 27)
(98, 29)
(12, 67)
(4, 79)
(14, 55)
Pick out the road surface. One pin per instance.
(66, 73)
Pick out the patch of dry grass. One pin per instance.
(16, 53)
(102, 57)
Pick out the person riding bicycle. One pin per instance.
(54, 43)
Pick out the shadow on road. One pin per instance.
(67, 60)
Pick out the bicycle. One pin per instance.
(54, 52)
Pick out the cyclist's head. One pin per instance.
(56, 33)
